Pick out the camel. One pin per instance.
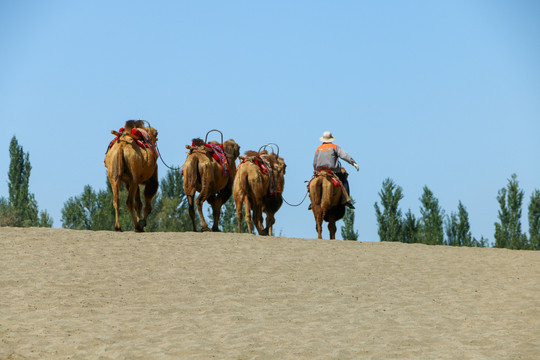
(129, 163)
(253, 188)
(204, 174)
(327, 201)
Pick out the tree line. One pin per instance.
(434, 227)
(94, 210)
(20, 208)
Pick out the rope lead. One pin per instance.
(286, 202)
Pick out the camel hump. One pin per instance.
(197, 142)
(251, 154)
(133, 124)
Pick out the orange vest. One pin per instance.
(326, 147)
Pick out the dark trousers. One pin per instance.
(344, 180)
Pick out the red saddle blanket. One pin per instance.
(259, 163)
(218, 153)
(146, 141)
(266, 168)
(335, 180)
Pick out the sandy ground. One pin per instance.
(105, 295)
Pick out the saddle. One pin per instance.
(266, 166)
(324, 171)
(139, 135)
(215, 150)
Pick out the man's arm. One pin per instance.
(343, 155)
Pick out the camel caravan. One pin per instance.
(210, 169)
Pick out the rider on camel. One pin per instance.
(327, 156)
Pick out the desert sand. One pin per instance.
(106, 295)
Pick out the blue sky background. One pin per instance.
(438, 93)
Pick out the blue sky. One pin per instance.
(438, 93)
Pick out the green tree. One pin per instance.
(389, 219)
(458, 231)
(105, 216)
(45, 219)
(20, 197)
(534, 221)
(451, 226)
(228, 220)
(483, 242)
(464, 228)
(431, 223)
(508, 229)
(79, 212)
(95, 211)
(21, 208)
(409, 228)
(8, 214)
(347, 230)
(170, 209)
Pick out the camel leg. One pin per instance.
(217, 202)
(191, 210)
(115, 186)
(191, 179)
(319, 229)
(200, 200)
(332, 228)
(248, 216)
(216, 211)
(150, 190)
(238, 201)
(270, 221)
(257, 216)
(138, 204)
(317, 213)
(132, 191)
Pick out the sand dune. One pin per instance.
(104, 295)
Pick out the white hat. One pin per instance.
(327, 137)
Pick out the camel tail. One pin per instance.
(118, 166)
(191, 175)
(243, 186)
(317, 192)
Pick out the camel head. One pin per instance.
(232, 149)
(281, 166)
(153, 133)
(280, 172)
(278, 167)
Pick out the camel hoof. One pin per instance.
(264, 232)
(205, 229)
(216, 230)
(140, 225)
(118, 229)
